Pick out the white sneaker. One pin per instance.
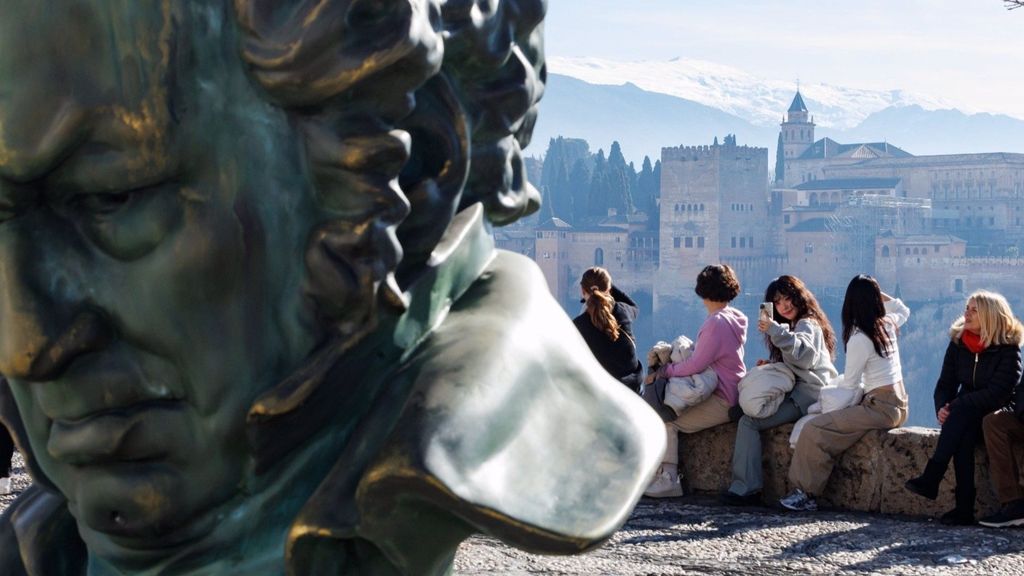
(799, 501)
(5, 486)
(664, 485)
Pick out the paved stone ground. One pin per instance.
(20, 480)
(694, 535)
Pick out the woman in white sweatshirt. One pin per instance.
(871, 321)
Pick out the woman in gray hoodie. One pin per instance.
(800, 336)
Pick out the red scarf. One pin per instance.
(972, 341)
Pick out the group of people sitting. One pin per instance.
(978, 393)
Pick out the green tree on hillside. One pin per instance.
(780, 168)
(556, 187)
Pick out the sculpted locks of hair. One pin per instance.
(212, 216)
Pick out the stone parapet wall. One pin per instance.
(869, 477)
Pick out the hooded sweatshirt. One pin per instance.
(719, 346)
(804, 351)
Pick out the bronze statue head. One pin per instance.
(206, 206)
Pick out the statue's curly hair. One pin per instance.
(441, 94)
(410, 110)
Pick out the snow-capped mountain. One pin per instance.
(644, 121)
(760, 101)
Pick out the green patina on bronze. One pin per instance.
(251, 316)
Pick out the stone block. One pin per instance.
(906, 451)
(775, 458)
(705, 458)
(855, 483)
(868, 477)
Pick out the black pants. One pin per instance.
(6, 452)
(957, 440)
(634, 379)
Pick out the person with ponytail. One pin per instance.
(871, 321)
(606, 325)
(981, 368)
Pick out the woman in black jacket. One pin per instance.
(981, 368)
(607, 327)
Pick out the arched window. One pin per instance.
(814, 198)
(599, 257)
(885, 251)
(701, 207)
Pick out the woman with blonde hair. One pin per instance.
(607, 326)
(981, 368)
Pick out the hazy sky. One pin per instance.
(970, 52)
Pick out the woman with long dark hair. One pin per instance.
(981, 367)
(607, 326)
(798, 335)
(871, 321)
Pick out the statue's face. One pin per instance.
(152, 230)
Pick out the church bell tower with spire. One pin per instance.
(797, 129)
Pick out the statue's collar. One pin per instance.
(344, 375)
(326, 536)
(460, 257)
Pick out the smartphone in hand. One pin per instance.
(767, 311)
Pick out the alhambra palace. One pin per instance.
(934, 227)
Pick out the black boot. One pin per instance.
(927, 484)
(963, 514)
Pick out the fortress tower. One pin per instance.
(797, 129)
(714, 208)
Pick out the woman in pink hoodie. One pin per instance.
(719, 346)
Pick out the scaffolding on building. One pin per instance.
(854, 225)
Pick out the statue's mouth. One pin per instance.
(146, 431)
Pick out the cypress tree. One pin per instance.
(780, 168)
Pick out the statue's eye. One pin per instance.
(101, 204)
(127, 224)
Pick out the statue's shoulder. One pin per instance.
(38, 537)
(512, 424)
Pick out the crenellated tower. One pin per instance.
(714, 208)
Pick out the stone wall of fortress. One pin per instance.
(923, 278)
(702, 189)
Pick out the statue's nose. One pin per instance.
(44, 321)
(29, 351)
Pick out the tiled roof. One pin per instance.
(812, 225)
(928, 239)
(849, 184)
(555, 224)
(829, 148)
(798, 103)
